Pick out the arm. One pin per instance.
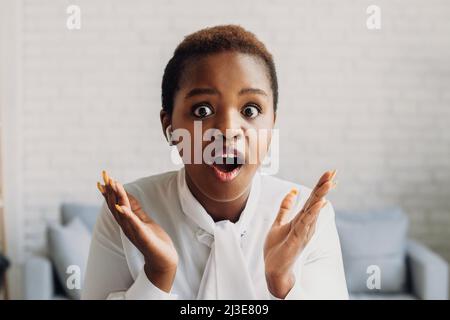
(429, 272)
(107, 272)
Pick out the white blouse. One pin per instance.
(217, 260)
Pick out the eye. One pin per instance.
(202, 111)
(251, 111)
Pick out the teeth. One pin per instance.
(224, 160)
(229, 158)
(229, 155)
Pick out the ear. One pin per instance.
(166, 120)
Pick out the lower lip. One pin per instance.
(226, 176)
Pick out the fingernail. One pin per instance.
(333, 174)
(100, 187)
(294, 191)
(105, 177)
(118, 208)
(324, 204)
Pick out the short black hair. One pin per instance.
(209, 41)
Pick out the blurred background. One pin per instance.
(373, 103)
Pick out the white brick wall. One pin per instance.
(374, 104)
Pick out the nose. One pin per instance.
(230, 125)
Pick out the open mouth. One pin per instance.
(227, 166)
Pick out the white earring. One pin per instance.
(169, 134)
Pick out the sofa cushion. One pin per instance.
(374, 238)
(87, 213)
(69, 247)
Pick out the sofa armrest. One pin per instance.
(38, 284)
(429, 272)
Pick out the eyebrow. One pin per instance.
(200, 91)
(252, 90)
(213, 91)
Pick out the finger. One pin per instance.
(106, 180)
(128, 217)
(113, 184)
(333, 174)
(310, 203)
(137, 209)
(109, 194)
(304, 222)
(323, 190)
(327, 176)
(312, 213)
(115, 190)
(115, 214)
(109, 185)
(109, 203)
(285, 207)
(101, 188)
(133, 222)
(322, 187)
(105, 177)
(108, 199)
(122, 195)
(105, 195)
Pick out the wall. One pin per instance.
(374, 104)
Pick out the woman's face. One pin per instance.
(223, 91)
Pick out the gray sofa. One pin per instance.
(409, 270)
(46, 277)
(375, 246)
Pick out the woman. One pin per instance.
(217, 228)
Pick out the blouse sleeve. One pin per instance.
(320, 271)
(107, 273)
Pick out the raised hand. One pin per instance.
(287, 239)
(161, 258)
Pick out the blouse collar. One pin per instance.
(192, 208)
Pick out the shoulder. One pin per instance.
(158, 183)
(275, 189)
(273, 183)
(157, 194)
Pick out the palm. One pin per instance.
(146, 235)
(277, 249)
(287, 239)
(151, 239)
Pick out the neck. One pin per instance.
(219, 210)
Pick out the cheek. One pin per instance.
(179, 119)
(257, 145)
(264, 145)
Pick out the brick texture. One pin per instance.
(374, 104)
